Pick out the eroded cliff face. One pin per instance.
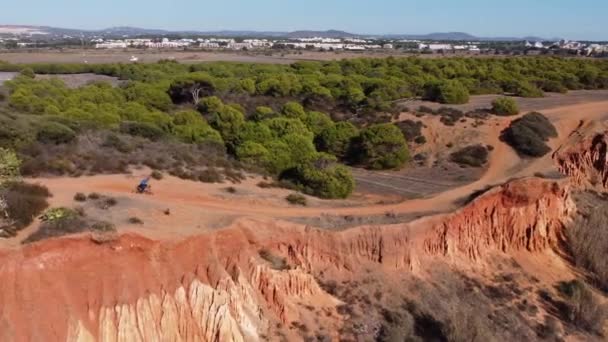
(528, 214)
(216, 287)
(583, 157)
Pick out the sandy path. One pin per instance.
(504, 164)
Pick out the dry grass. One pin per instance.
(23, 203)
(587, 238)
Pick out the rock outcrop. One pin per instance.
(584, 157)
(528, 214)
(217, 287)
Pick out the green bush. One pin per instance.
(381, 146)
(142, 129)
(337, 139)
(474, 156)
(448, 92)
(293, 110)
(322, 177)
(23, 203)
(55, 133)
(525, 89)
(505, 106)
(528, 134)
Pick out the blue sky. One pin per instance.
(574, 19)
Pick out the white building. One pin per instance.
(388, 46)
(434, 47)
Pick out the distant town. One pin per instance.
(17, 37)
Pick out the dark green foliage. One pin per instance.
(293, 110)
(322, 177)
(142, 129)
(337, 139)
(448, 92)
(381, 146)
(55, 133)
(474, 156)
(505, 106)
(528, 134)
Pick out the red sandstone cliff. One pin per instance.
(216, 287)
(583, 157)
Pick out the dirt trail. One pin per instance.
(503, 165)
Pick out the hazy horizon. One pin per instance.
(581, 20)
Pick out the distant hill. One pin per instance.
(127, 31)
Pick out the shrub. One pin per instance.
(210, 175)
(504, 106)
(448, 92)
(135, 220)
(420, 140)
(293, 110)
(55, 133)
(156, 175)
(337, 139)
(296, 199)
(474, 155)
(583, 308)
(9, 165)
(230, 190)
(142, 129)
(411, 129)
(528, 134)
(322, 177)
(94, 196)
(23, 203)
(587, 238)
(525, 89)
(80, 197)
(381, 146)
(59, 222)
(117, 143)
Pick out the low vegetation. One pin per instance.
(57, 222)
(505, 106)
(473, 156)
(528, 135)
(21, 204)
(583, 308)
(587, 238)
(296, 199)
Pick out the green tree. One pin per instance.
(337, 139)
(293, 110)
(254, 153)
(505, 106)
(317, 122)
(282, 126)
(262, 113)
(210, 105)
(448, 92)
(228, 121)
(321, 176)
(381, 146)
